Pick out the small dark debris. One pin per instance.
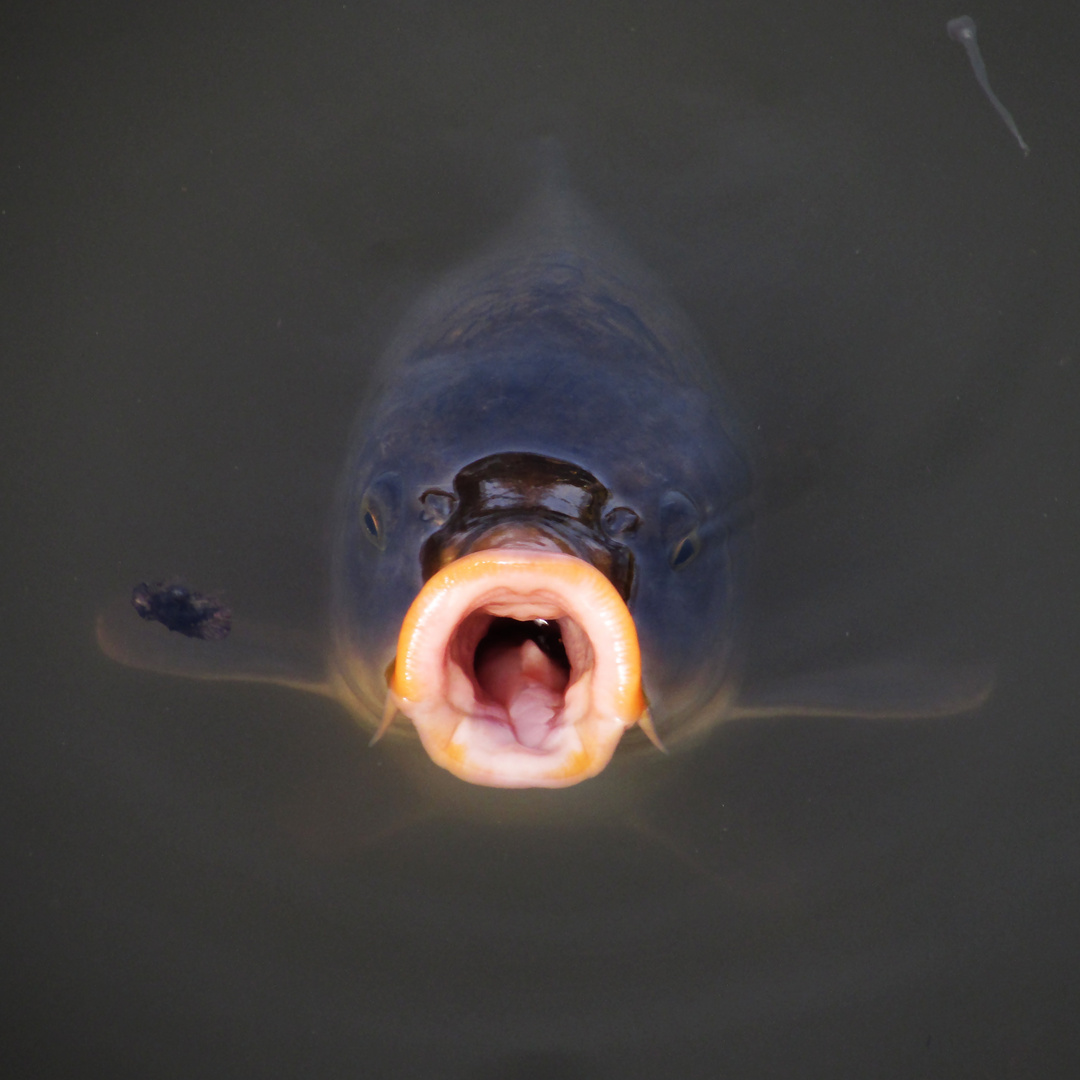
(183, 610)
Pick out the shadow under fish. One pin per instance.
(540, 531)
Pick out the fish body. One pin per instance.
(539, 530)
(546, 387)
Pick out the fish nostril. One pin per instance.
(437, 505)
(621, 521)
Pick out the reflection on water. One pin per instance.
(217, 219)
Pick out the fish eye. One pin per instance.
(371, 524)
(377, 509)
(679, 520)
(685, 550)
(371, 521)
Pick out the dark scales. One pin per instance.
(182, 609)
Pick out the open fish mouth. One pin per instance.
(519, 668)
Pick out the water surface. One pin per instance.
(213, 218)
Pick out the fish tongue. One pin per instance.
(528, 684)
(531, 714)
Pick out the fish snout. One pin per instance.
(519, 664)
(532, 530)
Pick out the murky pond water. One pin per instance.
(213, 220)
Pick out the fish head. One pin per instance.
(530, 562)
(539, 533)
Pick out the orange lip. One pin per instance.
(521, 721)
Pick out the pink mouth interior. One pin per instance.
(525, 681)
(516, 682)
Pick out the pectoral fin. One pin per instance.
(253, 652)
(895, 691)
